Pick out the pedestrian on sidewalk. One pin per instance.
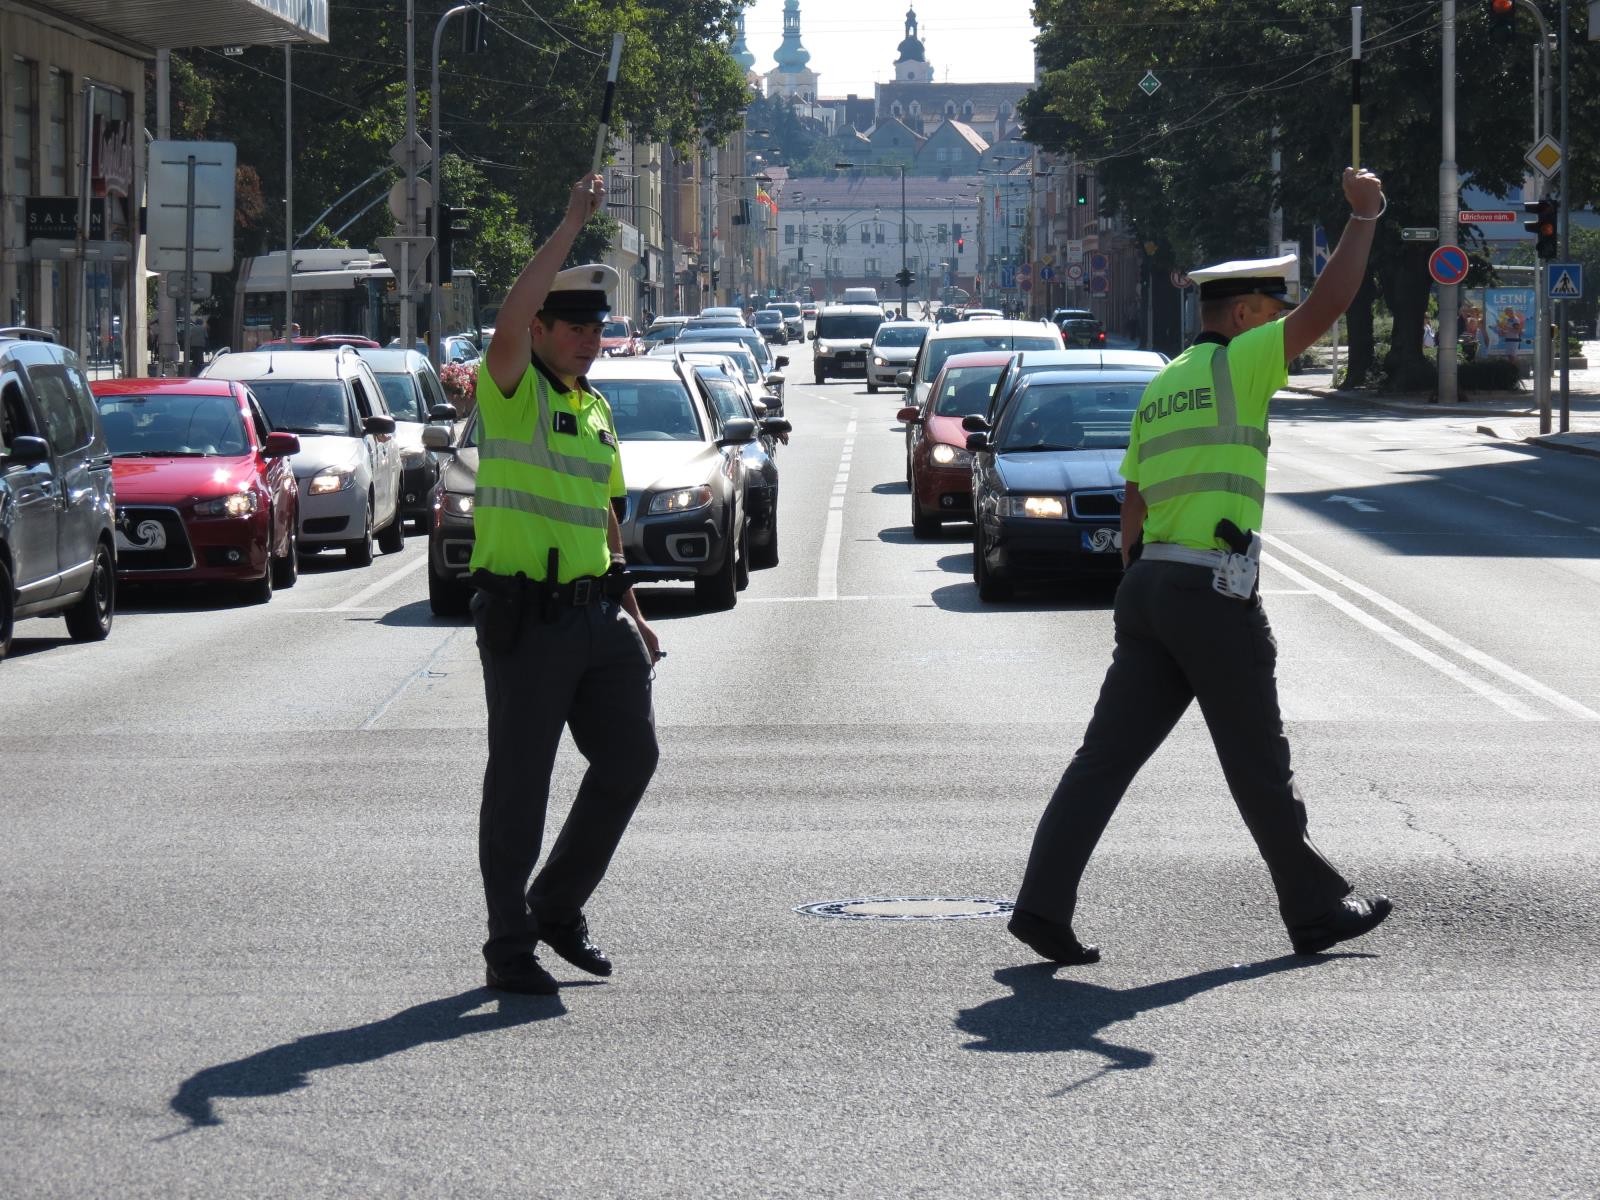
(560, 636)
(1189, 620)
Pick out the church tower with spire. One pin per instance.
(742, 56)
(912, 65)
(791, 77)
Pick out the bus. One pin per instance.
(340, 291)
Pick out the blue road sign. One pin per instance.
(1046, 274)
(1319, 250)
(1448, 265)
(1566, 281)
(1008, 277)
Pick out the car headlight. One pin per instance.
(950, 456)
(824, 350)
(239, 504)
(335, 479)
(413, 456)
(878, 361)
(458, 504)
(1042, 507)
(681, 500)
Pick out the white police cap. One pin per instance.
(1249, 277)
(579, 294)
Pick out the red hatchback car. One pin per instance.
(204, 488)
(938, 463)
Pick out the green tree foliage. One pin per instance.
(518, 121)
(1189, 167)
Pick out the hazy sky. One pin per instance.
(852, 42)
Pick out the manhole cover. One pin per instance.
(907, 908)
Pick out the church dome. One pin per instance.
(911, 48)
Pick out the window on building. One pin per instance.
(869, 266)
(916, 233)
(877, 233)
(944, 232)
(866, 235)
(59, 105)
(788, 235)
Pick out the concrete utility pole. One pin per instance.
(288, 195)
(436, 209)
(402, 270)
(1566, 207)
(1449, 207)
(166, 323)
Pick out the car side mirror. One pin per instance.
(975, 424)
(280, 445)
(737, 431)
(811, 335)
(902, 379)
(760, 406)
(777, 427)
(26, 450)
(781, 361)
(977, 442)
(908, 414)
(776, 380)
(443, 412)
(378, 424)
(436, 437)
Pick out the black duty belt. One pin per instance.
(579, 593)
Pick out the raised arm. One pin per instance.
(1341, 278)
(511, 349)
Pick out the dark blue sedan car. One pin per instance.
(1047, 492)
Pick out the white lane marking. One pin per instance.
(1395, 638)
(367, 593)
(1503, 500)
(1539, 512)
(425, 669)
(1286, 592)
(1593, 528)
(833, 531)
(840, 599)
(1471, 653)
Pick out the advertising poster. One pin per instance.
(1508, 327)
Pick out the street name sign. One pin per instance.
(1491, 216)
(1419, 233)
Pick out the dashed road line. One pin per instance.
(389, 580)
(833, 530)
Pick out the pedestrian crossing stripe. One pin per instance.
(1564, 287)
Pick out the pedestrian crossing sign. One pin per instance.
(1566, 281)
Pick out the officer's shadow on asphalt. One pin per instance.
(1049, 1015)
(288, 1067)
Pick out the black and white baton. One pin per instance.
(1355, 86)
(605, 109)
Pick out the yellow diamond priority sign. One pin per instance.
(1545, 156)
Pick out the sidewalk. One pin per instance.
(1512, 416)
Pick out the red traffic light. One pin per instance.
(1501, 6)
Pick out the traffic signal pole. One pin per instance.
(1449, 210)
(435, 302)
(1566, 207)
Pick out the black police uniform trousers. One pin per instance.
(1177, 639)
(587, 671)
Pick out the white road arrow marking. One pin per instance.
(1358, 505)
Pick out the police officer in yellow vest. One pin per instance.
(559, 634)
(1189, 620)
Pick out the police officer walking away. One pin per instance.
(1189, 620)
(559, 634)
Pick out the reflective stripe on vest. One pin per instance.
(505, 493)
(1226, 432)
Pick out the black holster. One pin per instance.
(504, 607)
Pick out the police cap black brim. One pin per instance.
(1223, 289)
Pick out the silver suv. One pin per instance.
(349, 463)
(57, 535)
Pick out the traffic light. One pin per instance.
(1502, 17)
(1083, 189)
(961, 244)
(1543, 226)
(904, 277)
(452, 223)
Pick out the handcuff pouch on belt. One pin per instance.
(1239, 571)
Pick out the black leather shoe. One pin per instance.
(573, 944)
(1354, 916)
(1051, 940)
(520, 973)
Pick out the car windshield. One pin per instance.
(1081, 325)
(767, 317)
(304, 405)
(401, 394)
(788, 310)
(1070, 416)
(965, 391)
(614, 329)
(724, 393)
(900, 335)
(939, 349)
(745, 337)
(745, 361)
(172, 426)
(663, 333)
(847, 325)
(651, 410)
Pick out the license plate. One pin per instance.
(146, 535)
(1102, 541)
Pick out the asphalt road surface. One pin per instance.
(242, 911)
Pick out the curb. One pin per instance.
(1403, 406)
(1565, 443)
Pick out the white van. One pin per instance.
(861, 296)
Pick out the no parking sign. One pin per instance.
(1448, 265)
